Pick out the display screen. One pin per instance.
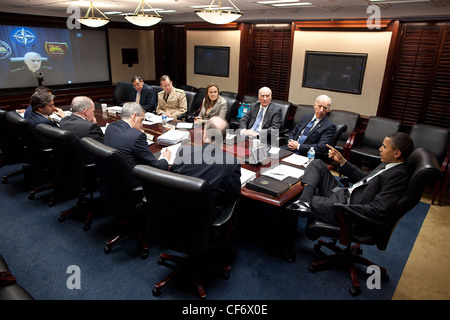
(212, 61)
(342, 72)
(56, 56)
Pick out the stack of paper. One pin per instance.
(298, 160)
(173, 149)
(114, 109)
(172, 137)
(283, 171)
(246, 176)
(153, 118)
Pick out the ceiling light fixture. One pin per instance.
(142, 19)
(91, 21)
(219, 16)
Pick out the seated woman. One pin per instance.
(213, 105)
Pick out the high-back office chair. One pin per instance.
(9, 288)
(122, 93)
(232, 108)
(12, 147)
(188, 225)
(230, 94)
(424, 169)
(156, 89)
(350, 119)
(437, 140)
(190, 100)
(75, 172)
(300, 111)
(197, 101)
(38, 153)
(187, 87)
(120, 191)
(363, 148)
(285, 107)
(247, 98)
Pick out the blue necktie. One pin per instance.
(258, 120)
(306, 131)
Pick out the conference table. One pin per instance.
(157, 129)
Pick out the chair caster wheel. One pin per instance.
(31, 196)
(354, 291)
(107, 249)
(87, 226)
(311, 269)
(144, 254)
(61, 218)
(156, 292)
(384, 276)
(226, 275)
(160, 261)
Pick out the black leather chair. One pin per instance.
(120, 191)
(190, 100)
(122, 93)
(285, 107)
(424, 169)
(350, 119)
(157, 90)
(340, 129)
(183, 219)
(300, 111)
(437, 140)
(248, 98)
(232, 108)
(38, 153)
(363, 148)
(187, 87)
(9, 289)
(12, 147)
(229, 94)
(75, 172)
(198, 100)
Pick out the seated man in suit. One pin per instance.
(127, 136)
(39, 88)
(262, 119)
(171, 101)
(144, 94)
(209, 162)
(82, 122)
(42, 107)
(314, 129)
(374, 193)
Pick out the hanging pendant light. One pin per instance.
(92, 21)
(142, 19)
(219, 16)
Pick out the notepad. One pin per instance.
(282, 171)
(297, 160)
(246, 176)
(173, 137)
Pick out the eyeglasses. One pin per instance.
(325, 108)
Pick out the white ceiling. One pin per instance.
(320, 9)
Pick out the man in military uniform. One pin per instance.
(171, 101)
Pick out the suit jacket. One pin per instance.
(219, 109)
(317, 138)
(271, 121)
(380, 194)
(36, 118)
(222, 170)
(132, 144)
(148, 98)
(81, 128)
(176, 103)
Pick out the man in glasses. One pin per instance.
(172, 101)
(314, 130)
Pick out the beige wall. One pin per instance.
(375, 44)
(143, 40)
(213, 38)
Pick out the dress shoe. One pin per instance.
(299, 208)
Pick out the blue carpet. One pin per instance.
(39, 250)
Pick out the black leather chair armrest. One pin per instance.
(225, 216)
(358, 216)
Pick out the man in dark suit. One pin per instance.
(314, 130)
(209, 162)
(42, 107)
(263, 119)
(127, 136)
(373, 193)
(144, 94)
(82, 122)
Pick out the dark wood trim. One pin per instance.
(339, 25)
(209, 26)
(395, 27)
(243, 59)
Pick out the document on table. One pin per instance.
(283, 171)
(298, 160)
(114, 109)
(173, 149)
(246, 176)
(151, 118)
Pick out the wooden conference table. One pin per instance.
(156, 129)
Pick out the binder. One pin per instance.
(268, 186)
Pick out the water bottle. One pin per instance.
(163, 118)
(311, 154)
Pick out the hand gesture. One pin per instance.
(335, 155)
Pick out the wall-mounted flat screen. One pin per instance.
(60, 55)
(130, 56)
(342, 72)
(212, 61)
